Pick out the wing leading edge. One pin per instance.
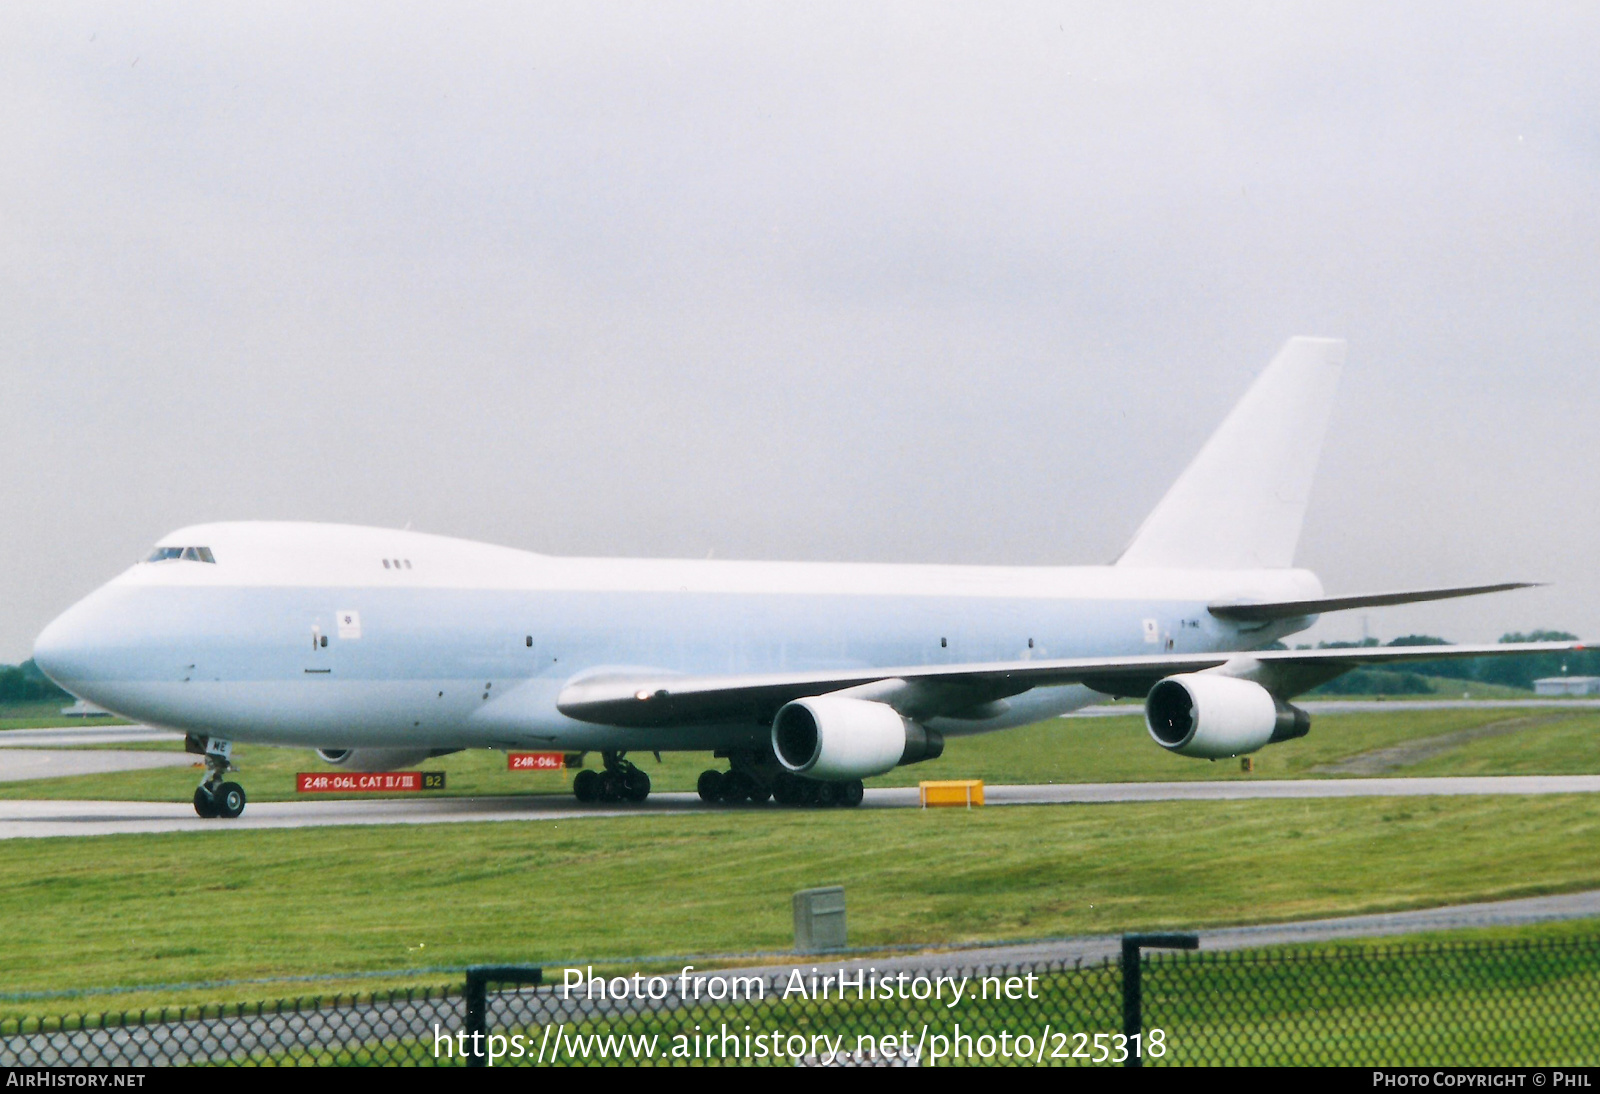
(642, 701)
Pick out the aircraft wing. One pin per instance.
(1247, 612)
(644, 700)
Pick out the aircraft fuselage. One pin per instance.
(342, 637)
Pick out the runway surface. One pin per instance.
(68, 736)
(33, 819)
(17, 764)
(53, 753)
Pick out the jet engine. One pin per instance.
(1206, 715)
(836, 739)
(374, 759)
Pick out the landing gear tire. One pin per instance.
(735, 787)
(788, 790)
(586, 786)
(203, 803)
(823, 794)
(759, 794)
(851, 793)
(710, 786)
(621, 781)
(229, 799)
(635, 785)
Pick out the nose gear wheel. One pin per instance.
(215, 797)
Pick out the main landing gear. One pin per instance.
(215, 797)
(732, 787)
(621, 781)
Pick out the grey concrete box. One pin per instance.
(819, 919)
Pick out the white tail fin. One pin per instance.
(1240, 503)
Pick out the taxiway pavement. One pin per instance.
(55, 752)
(33, 819)
(17, 764)
(70, 736)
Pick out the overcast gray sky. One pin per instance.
(958, 283)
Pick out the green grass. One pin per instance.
(178, 908)
(1447, 687)
(1119, 749)
(46, 713)
(1569, 745)
(183, 907)
(1440, 687)
(1062, 750)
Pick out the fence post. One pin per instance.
(1133, 984)
(477, 999)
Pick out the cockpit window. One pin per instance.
(193, 554)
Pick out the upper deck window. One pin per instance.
(192, 554)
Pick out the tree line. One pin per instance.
(25, 683)
(1518, 671)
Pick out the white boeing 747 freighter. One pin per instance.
(382, 648)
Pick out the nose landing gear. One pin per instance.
(215, 797)
(226, 800)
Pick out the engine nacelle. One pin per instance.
(835, 738)
(1206, 715)
(374, 759)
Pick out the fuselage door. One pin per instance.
(318, 662)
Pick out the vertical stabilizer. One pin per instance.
(1240, 503)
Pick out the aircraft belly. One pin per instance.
(392, 714)
(327, 713)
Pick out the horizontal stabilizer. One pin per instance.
(1294, 609)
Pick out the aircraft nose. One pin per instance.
(64, 650)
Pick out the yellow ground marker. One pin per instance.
(967, 792)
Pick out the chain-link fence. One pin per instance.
(381, 1028)
(1525, 1004)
